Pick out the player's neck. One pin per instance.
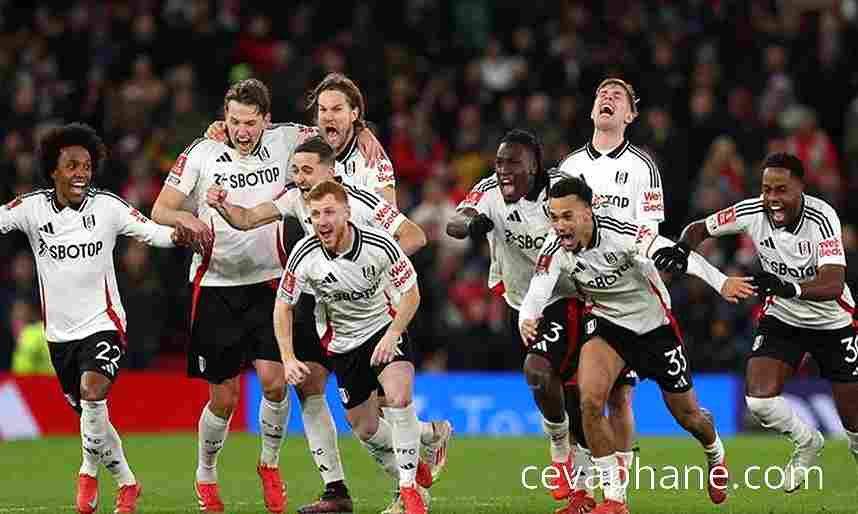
(342, 152)
(605, 141)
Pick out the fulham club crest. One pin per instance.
(89, 221)
(804, 248)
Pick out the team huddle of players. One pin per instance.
(575, 252)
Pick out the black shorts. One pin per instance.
(658, 354)
(836, 351)
(559, 339)
(356, 378)
(305, 337)
(230, 328)
(101, 352)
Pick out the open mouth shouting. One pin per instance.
(778, 214)
(78, 186)
(607, 110)
(507, 185)
(568, 241)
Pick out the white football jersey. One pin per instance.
(368, 209)
(626, 182)
(238, 257)
(614, 273)
(73, 249)
(351, 302)
(519, 233)
(351, 167)
(794, 254)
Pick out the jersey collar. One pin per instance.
(55, 204)
(349, 149)
(796, 225)
(353, 252)
(613, 154)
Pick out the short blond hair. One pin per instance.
(630, 91)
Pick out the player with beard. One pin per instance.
(345, 267)
(313, 163)
(72, 229)
(508, 209)
(338, 108)
(628, 323)
(808, 306)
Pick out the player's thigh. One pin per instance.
(216, 351)
(356, 378)
(316, 383)
(397, 376)
(558, 338)
(661, 355)
(602, 355)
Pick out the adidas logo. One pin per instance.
(329, 279)
(264, 154)
(768, 243)
(48, 228)
(224, 158)
(579, 267)
(514, 216)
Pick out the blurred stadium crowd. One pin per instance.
(721, 83)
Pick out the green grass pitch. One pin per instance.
(484, 475)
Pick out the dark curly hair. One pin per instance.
(787, 161)
(73, 134)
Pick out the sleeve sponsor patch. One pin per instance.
(653, 201)
(830, 247)
(644, 233)
(179, 166)
(384, 172)
(726, 216)
(139, 216)
(288, 284)
(473, 198)
(385, 215)
(401, 272)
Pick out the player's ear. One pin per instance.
(267, 119)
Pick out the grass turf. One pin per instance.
(484, 476)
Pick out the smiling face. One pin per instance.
(572, 220)
(73, 175)
(336, 118)
(516, 170)
(330, 221)
(309, 171)
(781, 195)
(244, 125)
(612, 108)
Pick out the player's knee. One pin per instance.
(363, 427)
(761, 408)
(224, 403)
(397, 399)
(620, 400)
(93, 392)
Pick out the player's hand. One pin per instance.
(386, 349)
(217, 131)
(672, 259)
(528, 330)
(370, 147)
(182, 236)
(295, 371)
(769, 284)
(737, 288)
(480, 225)
(216, 196)
(202, 237)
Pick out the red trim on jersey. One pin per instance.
(198, 278)
(113, 316)
(281, 252)
(325, 340)
(498, 289)
(848, 308)
(574, 308)
(667, 313)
